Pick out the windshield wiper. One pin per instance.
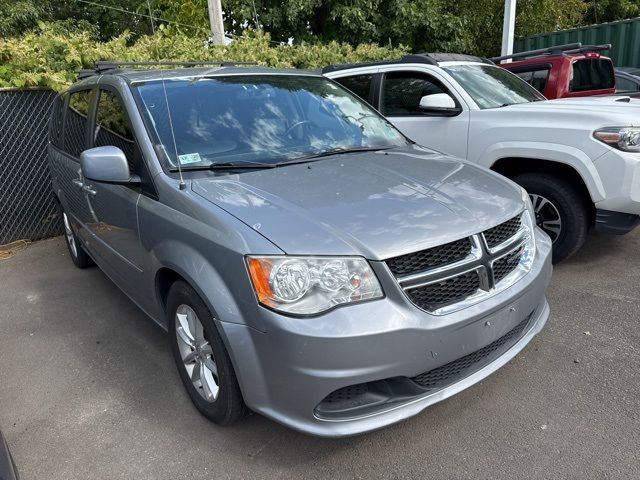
(333, 151)
(240, 166)
(227, 166)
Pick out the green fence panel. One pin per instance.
(623, 35)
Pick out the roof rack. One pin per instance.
(105, 66)
(555, 50)
(591, 48)
(425, 58)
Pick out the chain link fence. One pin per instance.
(27, 207)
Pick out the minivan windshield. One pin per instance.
(493, 87)
(262, 119)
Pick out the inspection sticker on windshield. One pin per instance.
(188, 158)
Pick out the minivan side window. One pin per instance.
(76, 122)
(358, 84)
(402, 91)
(114, 129)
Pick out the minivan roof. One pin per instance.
(137, 75)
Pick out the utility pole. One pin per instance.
(509, 27)
(215, 19)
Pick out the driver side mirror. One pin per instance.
(108, 165)
(440, 104)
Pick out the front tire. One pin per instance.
(201, 357)
(560, 211)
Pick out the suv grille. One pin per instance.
(433, 257)
(471, 266)
(507, 264)
(503, 232)
(447, 292)
(451, 372)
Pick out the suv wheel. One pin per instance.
(202, 360)
(80, 258)
(560, 212)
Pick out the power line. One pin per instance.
(129, 12)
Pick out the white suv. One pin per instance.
(579, 159)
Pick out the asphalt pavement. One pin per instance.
(89, 390)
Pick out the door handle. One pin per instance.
(77, 182)
(89, 189)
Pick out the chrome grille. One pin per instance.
(433, 257)
(451, 276)
(447, 292)
(501, 233)
(507, 264)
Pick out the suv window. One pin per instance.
(625, 85)
(592, 74)
(536, 78)
(402, 91)
(57, 115)
(77, 122)
(114, 129)
(358, 84)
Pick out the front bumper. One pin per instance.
(620, 175)
(286, 372)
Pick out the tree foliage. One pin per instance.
(610, 10)
(472, 26)
(51, 57)
(20, 16)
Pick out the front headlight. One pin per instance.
(310, 285)
(626, 139)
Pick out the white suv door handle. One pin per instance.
(89, 189)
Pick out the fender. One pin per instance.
(200, 274)
(565, 154)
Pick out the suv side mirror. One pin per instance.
(106, 164)
(440, 103)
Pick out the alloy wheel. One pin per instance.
(196, 353)
(68, 234)
(547, 216)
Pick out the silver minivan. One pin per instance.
(308, 261)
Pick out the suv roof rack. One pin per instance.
(106, 66)
(555, 50)
(426, 58)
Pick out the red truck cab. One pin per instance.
(565, 70)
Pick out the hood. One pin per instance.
(374, 204)
(599, 111)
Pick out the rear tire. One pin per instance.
(80, 258)
(560, 211)
(201, 357)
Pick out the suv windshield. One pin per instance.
(492, 87)
(265, 119)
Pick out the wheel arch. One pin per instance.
(176, 260)
(511, 167)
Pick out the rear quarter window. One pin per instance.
(57, 115)
(76, 122)
(358, 84)
(592, 74)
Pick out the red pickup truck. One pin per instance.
(565, 70)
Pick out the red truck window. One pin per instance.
(536, 78)
(592, 74)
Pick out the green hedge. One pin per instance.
(50, 56)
